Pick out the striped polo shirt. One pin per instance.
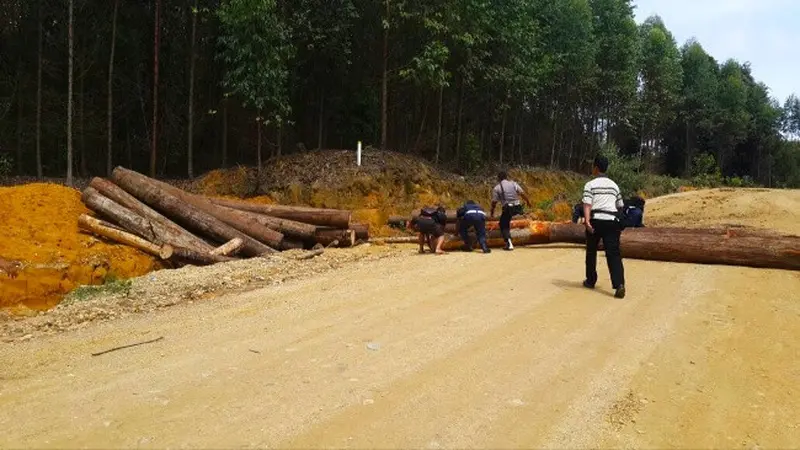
(603, 195)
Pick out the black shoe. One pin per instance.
(620, 292)
(487, 250)
(464, 248)
(588, 285)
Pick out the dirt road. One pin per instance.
(501, 350)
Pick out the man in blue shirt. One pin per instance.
(471, 215)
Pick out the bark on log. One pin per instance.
(346, 238)
(669, 244)
(335, 218)
(106, 230)
(362, 231)
(290, 228)
(198, 259)
(239, 220)
(123, 217)
(149, 191)
(172, 232)
(228, 248)
(491, 225)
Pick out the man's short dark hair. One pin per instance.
(502, 176)
(601, 162)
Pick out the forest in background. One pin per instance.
(176, 88)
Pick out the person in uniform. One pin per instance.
(602, 206)
(472, 216)
(508, 194)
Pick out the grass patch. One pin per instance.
(111, 287)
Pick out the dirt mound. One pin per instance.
(387, 183)
(774, 209)
(40, 230)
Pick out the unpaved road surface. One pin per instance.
(459, 351)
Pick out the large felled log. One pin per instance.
(239, 220)
(286, 227)
(149, 191)
(346, 238)
(335, 218)
(108, 231)
(123, 217)
(668, 244)
(172, 232)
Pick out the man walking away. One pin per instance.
(602, 205)
(508, 193)
(431, 225)
(471, 215)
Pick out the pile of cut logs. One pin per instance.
(728, 245)
(182, 227)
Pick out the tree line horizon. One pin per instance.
(175, 89)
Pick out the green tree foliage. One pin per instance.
(469, 83)
(660, 81)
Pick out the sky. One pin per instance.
(764, 32)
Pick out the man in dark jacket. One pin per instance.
(431, 223)
(471, 215)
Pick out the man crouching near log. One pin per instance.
(431, 223)
(602, 206)
(471, 215)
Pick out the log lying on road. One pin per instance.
(146, 190)
(173, 233)
(335, 218)
(667, 244)
(112, 233)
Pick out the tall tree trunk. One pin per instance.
(224, 133)
(70, 38)
(521, 136)
(156, 45)
(439, 125)
(190, 132)
(128, 148)
(555, 140)
(258, 151)
(321, 121)
(384, 82)
(503, 134)
(426, 106)
(458, 124)
(82, 124)
(20, 104)
(110, 149)
(280, 138)
(687, 171)
(39, 171)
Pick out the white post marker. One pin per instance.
(358, 154)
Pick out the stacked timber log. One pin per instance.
(726, 245)
(176, 225)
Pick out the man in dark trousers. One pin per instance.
(471, 215)
(602, 205)
(508, 193)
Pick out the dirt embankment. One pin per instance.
(760, 208)
(39, 228)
